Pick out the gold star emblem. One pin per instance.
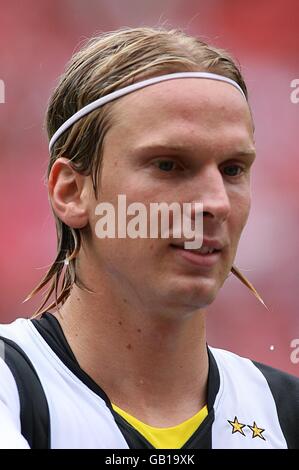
(256, 431)
(237, 427)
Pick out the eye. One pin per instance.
(166, 165)
(233, 170)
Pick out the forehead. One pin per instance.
(190, 107)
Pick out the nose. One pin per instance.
(211, 191)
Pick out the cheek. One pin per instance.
(240, 209)
(245, 209)
(129, 260)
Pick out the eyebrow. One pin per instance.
(162, 147)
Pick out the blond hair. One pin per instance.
(106, 63)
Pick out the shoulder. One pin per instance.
(16, 330)
(10, 406)
(285, 391)
(8, 388)
(279, 381)
(263, 385)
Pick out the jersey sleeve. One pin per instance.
(285, 391)
(10, 426)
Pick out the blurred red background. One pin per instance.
(37, 39)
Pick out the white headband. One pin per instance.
(129, 89)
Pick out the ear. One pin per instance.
(67, 195)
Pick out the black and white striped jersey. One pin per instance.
(250, 405)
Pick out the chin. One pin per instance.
(194, 293)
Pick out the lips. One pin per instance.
(206, 256)
(208, 245)
(204, 250)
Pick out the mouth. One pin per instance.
(206, 256)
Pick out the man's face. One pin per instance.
(186, 140)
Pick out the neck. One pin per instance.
(153, 367)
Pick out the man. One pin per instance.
(122, 359)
